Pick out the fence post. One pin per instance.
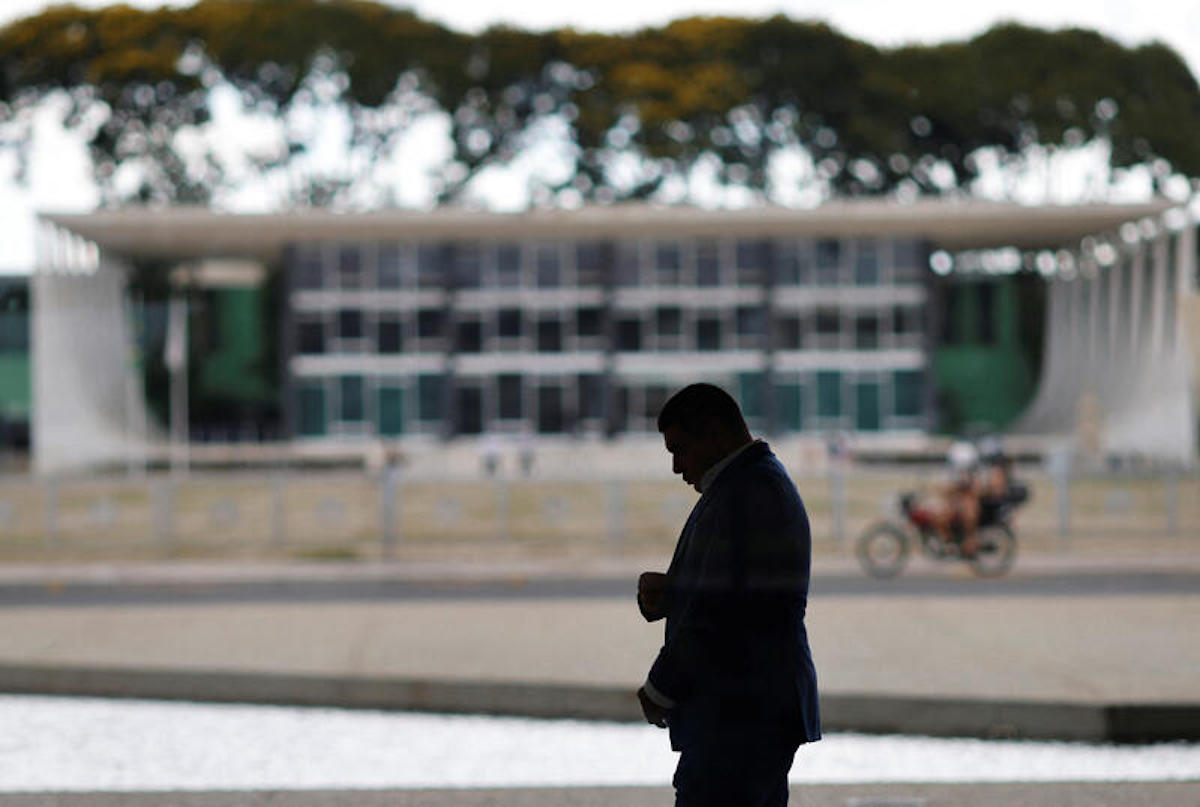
(616, 515)
(1173, 501)
(388, 495)
(163, 494)
(278, 509)
(503, 508)
(52, 513)
(837, 499)
(1059, 462)
(1062, 495)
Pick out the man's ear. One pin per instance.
(712, 431)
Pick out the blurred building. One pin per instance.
(417, 326)
(14, 364)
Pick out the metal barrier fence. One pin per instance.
(347, 515)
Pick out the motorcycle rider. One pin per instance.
(958, 501)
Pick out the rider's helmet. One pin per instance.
(962, 459)
(963, 456)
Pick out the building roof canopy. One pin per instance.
(188, 232)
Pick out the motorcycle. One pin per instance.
(883, 548)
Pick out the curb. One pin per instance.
(871, 714)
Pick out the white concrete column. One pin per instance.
(1115, 274)
(1159, 291)
(1137, 270)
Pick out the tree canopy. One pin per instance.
(731, 93)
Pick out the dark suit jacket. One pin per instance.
(736, 654)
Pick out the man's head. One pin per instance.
(701, 425)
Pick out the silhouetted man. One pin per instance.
(734, 680)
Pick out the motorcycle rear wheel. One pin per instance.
(996, 552)
(882, 550)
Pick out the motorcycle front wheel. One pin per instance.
(997, 551)
(882, 550)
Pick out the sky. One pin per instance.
(60, 183)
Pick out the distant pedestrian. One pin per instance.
(489, 453)
(734, 681)
(526, 452)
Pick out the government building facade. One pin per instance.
(411, 326)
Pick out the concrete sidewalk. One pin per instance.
(1154, 794)
(1069, 667)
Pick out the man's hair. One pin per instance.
(696, 405)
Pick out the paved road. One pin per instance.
(1150, 794)
(1063, 584)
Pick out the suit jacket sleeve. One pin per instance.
(746, 586)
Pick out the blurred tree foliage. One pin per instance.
(733, 92)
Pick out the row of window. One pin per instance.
(553, 405)
(701, 262)
(665, 328)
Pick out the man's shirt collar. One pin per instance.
(719, 466)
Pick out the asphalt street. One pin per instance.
(948, 583)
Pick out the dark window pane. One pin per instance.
(668, 321)
(351, 392)
(708, 333)
(866, 406)
(549, 336)
(906, 390)
(751, 321)
(14, 332)
(467, 266)
(708, 266)
(866, 332)
(587, 322)
(629, 334)
(828, 261)
(508, 323)
(429, 397)
(468, 410)
(987, 313)
(789, 269)
(550, 418)
(350, 324)
(909, 261)
(390, 339)
(430, 266)
(312, 337)
(591, 261)
(789, 332)
(391, 411)
(829, 394)
(511, 393)
(469, 338)
(628, 265)
(309, 274)
(667, 262)
(906, 319)
(829, 322)
(390, 267)
(654, 400)
(750, 389)
(508, 266)
(431, 323)
(312, 410)
(591, 396)
(866, 263)
(789, 406)
(752, 260)
(349, 267)
(549, 268)
(952, 316)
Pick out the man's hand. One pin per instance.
(655, 714)
(652, 595)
